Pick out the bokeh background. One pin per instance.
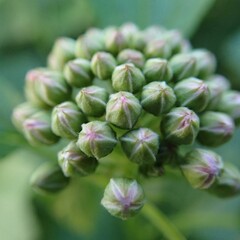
(28, 29)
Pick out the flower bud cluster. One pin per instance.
(145, 90)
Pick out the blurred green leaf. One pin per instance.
(17, 220)
(184, 15)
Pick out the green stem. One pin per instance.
(161, 222)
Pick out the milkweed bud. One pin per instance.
(67, 120)
(63, 51)
(183, 66)
(175, 40)
(215, 129)
(192, 93)
(31, 79)
(51, 88)
(21, 113)
(49, 178)
(97, 139)
(102, 65)
(123, 198)
(153, 32)
(230, 104)
(202, 168)
(180, 126)
(131, 56)
(159, 48)
(141, 145)
(217, 84)
(73, 161)
(78, 73)
(206, 63)
(123, 110)
(127, 77)
(92, 100)
(37, 129)
(157, 98)
(115, 41)
(228, 183)
(157, 69)
(90, 43)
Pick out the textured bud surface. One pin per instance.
(123, 110)
(230, 104)
(157, 98)
(78, 73)
(37, 129)
(102, 65)
(202, 168)
(157, 69)
(215, 129)
(141, 145)
(127, 77)
(67, 120)
(159, 48)
(92, 100)
(123, 198)
(180, 126)
(192, 93)
(73, 161)
(96, 139)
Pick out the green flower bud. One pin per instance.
(90, 43)
(78, 73)
(230, 104)
(21, 113)
(217, 84)
(215, 129)
(31, 79)
(157, 98)
(51, 88)
(158, 49)
(67, 120)
(37, 129)
(153, 32)
(228, 183)
(73, 161)
(192, 93)
(131, 56)
(135, 39)
(127, 77)
(62, 51)
(175, 40)
(97, 139)
(102, 65)
(123, 110)
(48, 178)
(206, 63)
(183, 66)
(202, 167)
(115, 41)
(123, 198)
(92, 100)
(157, 69)
(141, 145)
(180, 126)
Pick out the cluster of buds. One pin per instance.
(145, 90)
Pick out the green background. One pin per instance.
(28, 30)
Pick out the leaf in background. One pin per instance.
(41, 21)
(230, 55)
(17, 220)
(184, 15)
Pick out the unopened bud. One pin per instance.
(123, 198)
(123, 110)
